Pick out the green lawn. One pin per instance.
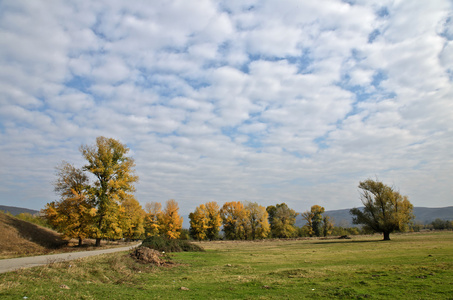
(410, 266)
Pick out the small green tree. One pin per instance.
(385, 210)
(440, 224)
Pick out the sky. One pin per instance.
(236, 100)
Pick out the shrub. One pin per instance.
(170, 245)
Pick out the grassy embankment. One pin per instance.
(411, 266)
(20, 238)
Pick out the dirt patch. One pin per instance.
(150, 256)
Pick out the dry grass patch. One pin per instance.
(20, 238)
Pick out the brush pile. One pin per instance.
(149, 256)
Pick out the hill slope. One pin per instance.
(21, 238)
(17, 210)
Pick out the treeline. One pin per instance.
(251, 221)
(97, 201)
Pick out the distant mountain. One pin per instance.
(426, 215)
(17, 210)
(423, 215)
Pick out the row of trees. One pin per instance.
(97, 201)
(242, 221)
(250, 221)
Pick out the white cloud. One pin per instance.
(243, 100)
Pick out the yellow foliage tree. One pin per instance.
(235, 220)
(258, 221)
(153, 213)
(115, 178)
(132, 218)
(214, 220)
(205, 221)
(170, 222)
(73, 214)
(314, 218)
(198, 223)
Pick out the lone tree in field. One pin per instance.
(385, 210)
(113, 171)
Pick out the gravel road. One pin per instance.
(11, 264)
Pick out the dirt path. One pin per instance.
(11, 264)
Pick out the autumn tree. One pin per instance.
(235, 220)
(385, 210)
(132, 218)
(205, 221)
(327, 226)
(198, 223)
(153, 213)
(315, 221)
(214, 220)
(258, 221)
(73, 214)
(115, 179)
(282, 220)
(170, 222)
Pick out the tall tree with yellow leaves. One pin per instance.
(132, 218)
(205, 221)
(170, 222)
(214, 220)
(153, 213)
(258, 221)
(113, 170)
(235, 220)
(314, 218)
(198, 223)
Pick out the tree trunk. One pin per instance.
(80, 241)
(98, 242)
(386, 236)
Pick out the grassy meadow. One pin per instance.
(410, 266)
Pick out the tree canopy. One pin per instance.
(317, 224)
(115, 179)
(205, 221)
(73, 214)
(235, 220)
(385, 210)
(282, 220)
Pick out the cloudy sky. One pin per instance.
(265, 101)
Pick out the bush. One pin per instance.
(164, 244)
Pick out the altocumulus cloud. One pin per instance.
(266, 101)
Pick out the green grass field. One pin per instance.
(410, 266)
